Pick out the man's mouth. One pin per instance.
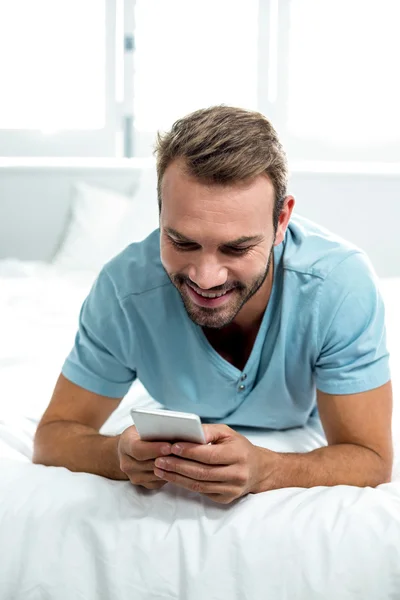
(209, 299)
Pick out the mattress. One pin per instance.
(70, 535)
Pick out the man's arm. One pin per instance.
(68, 434)
(358, 431)
(358, 428)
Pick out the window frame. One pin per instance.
(273, 61)
(76, 143)
(119, 137)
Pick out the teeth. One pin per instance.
(209, 295)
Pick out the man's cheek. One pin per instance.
(169, 260)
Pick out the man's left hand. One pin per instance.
(230, 467)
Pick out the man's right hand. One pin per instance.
(136, 458)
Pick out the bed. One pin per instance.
(70, 535)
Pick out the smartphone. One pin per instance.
(168, 426)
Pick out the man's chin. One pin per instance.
(210, 322)
(213, 318)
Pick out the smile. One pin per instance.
(208, 299)
(205, 295)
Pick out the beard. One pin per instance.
(219, 317)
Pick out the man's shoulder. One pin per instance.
(313, 250)
(138, 268)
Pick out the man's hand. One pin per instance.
(228, 469)
(136, 458)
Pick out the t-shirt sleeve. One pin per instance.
(351, 336)
(98, 360)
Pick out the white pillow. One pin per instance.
(104, 222)
(142, 217)
(96, 218)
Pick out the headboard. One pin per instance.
(35, 196)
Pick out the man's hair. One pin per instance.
(225, 145)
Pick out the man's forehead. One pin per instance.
(176, 176)
(216, 213)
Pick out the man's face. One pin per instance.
(216, 243)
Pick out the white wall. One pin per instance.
(363, 208)
(35, 200)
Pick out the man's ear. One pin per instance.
(284, 219)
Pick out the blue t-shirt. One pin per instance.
(323, 329)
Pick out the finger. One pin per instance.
(197, 470)
(213, 454)
(135, 466)
(147, 450)
(203, 487)
(142, 450)
(221, 451)
(129, 465)
(215, 432)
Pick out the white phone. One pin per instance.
(168, 425)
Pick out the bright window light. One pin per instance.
(343, 71)
(52, 64)
(191, 55)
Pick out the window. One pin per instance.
(337, 92)
(57, 77)
(323, 71)
(190, 55)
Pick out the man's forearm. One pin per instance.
(78, 448)
(341, 464)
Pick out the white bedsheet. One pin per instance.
(68, 535)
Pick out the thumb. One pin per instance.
(216, 433)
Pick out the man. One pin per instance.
(236, 311)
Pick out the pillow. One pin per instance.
(90, 238)
(142, 217)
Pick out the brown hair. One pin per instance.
(224, 145)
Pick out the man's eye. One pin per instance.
(183, 245)
(191, 247)
(237, 251)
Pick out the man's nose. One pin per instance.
(208, 273)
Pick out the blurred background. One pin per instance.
(86, 84)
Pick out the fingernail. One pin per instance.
(177, 449)
(159, 473)
(165, 449)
